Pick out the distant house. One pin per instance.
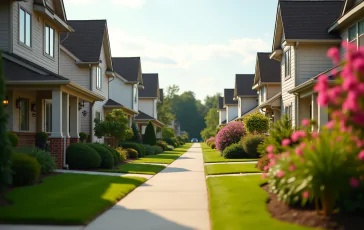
(230, 105)
(222, 111)
(245, 95)
(149, 97)
(267, 82)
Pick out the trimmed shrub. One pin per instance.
(234, 151)
(157, 149)
(210, 141)
(116, 155)
(107, 158)
(45, 160)
(149, 135)
(262, 162)
(131, 153)
(82, 156)
(148, 150)
(41, 139)
(250, 144)
(171, 141)
(230, 134)
(213, 145)
(26, 169)
(170, 147)
(123, 154)
(162, 144)
(83, 136)
(168, 132)
(13, 138)
(137, 138)
(256, 122)
(138, 147)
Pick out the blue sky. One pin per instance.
(197, 44)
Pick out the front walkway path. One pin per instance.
(175, 198)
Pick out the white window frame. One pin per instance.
(49, 40)
(98, 78)
(47, 117)
(24, 29)
(287, 64)
(135, 93)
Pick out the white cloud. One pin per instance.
(183, 56)
(130, 3)
(127, 3)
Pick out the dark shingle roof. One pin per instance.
(269, 70)
(86, 42)
(244, 84)
(310, 19)
(151, 86)
(111, 102)
(144, 116)
(27, 71)
(127, 67)
(221, 103)
(229, 97)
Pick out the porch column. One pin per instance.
(323, 116)
(56, 138)
(39, 112)
(65, 115)
(74, 120)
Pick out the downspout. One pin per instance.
(91, 105)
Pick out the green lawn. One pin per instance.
(212, 155)
(166, 157)
(136, 168)
(230, 168)
(67, 199)
(239, 203)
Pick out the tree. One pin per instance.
(168, 133)
(149, 135)
(136, 137)
(115, 126)
(212, 101)
(5, 151)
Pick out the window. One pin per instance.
(262, 94)
(361, 33)
(352, 34)
(49, 40)
(98, 78)
(287, 63)
(24, 27)
(48, 116)
(288, 112)
(98, 116)
(135, 93)
(24, 114)
(356, 34)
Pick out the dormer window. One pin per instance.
(98, 78)
(287, 63)
(25, 26)
(49, 40)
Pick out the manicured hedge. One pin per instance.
(250, 144)
(116, 154)
(82, 156)
(26, 169)
(107, 158)
(234, 151)
(13, 138)
(131, 153)
(157, 149)
(162, 144)
(149, 150)
(138, 147)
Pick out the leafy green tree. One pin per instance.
(115, 126)
(5, 151)
(149, 135)
(136, 137)
(212, 101)
(207, 133)
(168, 133)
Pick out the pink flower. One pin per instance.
(361, 155)
(272, 163)
(299, 151)
(334, 54)
(351, 102)
(292, 167)
(270, 148)
(271, 156)
(286, 142)
(323, 99)
(280, 174)
(297, 135)
(264, 175)
(305, 194)
(266, 168)
(354, 182)
(330, 125)
(303, 145)
(339, 138)
(322, 84)
(306, 122)
(314, 134)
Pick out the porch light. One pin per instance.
(81, 105)
(6, 101)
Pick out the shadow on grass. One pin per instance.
(174, 170)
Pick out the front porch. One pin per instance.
(142, 120)
(272, 108)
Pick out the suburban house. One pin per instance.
(39, 97)
(267, 82)
(85, 58)
(230, 105)
(245, 95)
(301, 41)
(124, 87)
(222, 111)
(149, 97)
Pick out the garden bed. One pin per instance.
(231, 168)
(65, 199)
(166, 157)
(136, 169)
(309, 217)
(213, 156)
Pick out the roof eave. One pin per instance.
(54, 17)
(276, 55)
(341, 22)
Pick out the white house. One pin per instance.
(245, 95)
(230, 105)
(222, 111)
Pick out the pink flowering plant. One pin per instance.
(230, 134)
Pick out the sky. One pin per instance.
(198, 45)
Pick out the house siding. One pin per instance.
(231, 112)
(273, 90)
(288, 84)
(4, 25)
(50, 4)
(247, 104)
(121, 92)
(36, 52)
(222, 116)
(146, 105)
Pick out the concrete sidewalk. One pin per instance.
(175, 198)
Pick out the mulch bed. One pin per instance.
(4, 202)
(308, 216)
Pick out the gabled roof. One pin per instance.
(113, 103)
(128, 67)
(350, 4)
(267, 69)
(352, 11)
(243, 85)
(143, 116)
(221, 103)
(229, 97)
(151, 86)
(86, 42)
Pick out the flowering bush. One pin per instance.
(230, 134)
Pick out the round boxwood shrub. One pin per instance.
(107, 158)
(162, 144)
(26, 169)
(171, 141)
(170, 147)
(157, 149)
(83, 136)
(256, 122)
(41, 139)
(148, 150)
(45, 160)
(138, 147)
(230, 134)
(213, 145)
(13, 138)
(82, 156)
(131, 153)
(262, 162)
(234, 151)
(116, 155)
(250, 144)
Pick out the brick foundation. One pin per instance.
(26, 139)
(57, 150)
(74, 140)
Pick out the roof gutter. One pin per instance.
(357, 11)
